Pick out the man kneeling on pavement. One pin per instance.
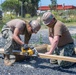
(11, 32)
(60, 38)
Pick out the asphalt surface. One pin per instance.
(36, 66)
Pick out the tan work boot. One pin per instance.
(7, 60)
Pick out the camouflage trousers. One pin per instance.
(67, 50)
(10, 44)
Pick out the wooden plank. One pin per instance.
(41, 48)
(18, 55)
(49, 46)
(65, 58)
(15, 52)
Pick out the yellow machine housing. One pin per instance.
(28, 52)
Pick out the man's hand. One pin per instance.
(48, 53)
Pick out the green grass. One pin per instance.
(71, 24)
(74, 36)
(6, 19)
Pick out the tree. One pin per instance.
(33, 7)
(53, 4)
(21, 6)
(12, 5)
(30, 6)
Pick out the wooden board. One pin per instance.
(49, 46)
(65, 58)
(41, 48)
(41, 55)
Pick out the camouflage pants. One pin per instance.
(67, 50)
(10, 44)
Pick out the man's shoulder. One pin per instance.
(58, 23)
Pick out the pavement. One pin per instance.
(36, 66)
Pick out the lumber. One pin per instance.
(41, 55)
(18, 55)
(41, 48)
(44, 48)
(49, 46)
(65, 58)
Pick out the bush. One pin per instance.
(28, 15)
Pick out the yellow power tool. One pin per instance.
(29, 51)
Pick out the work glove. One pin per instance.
(25, 46)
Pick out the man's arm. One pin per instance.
(27, 38)
(16, 36)
(54, 44)
(50, 39)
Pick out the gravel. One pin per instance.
(36, 66)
